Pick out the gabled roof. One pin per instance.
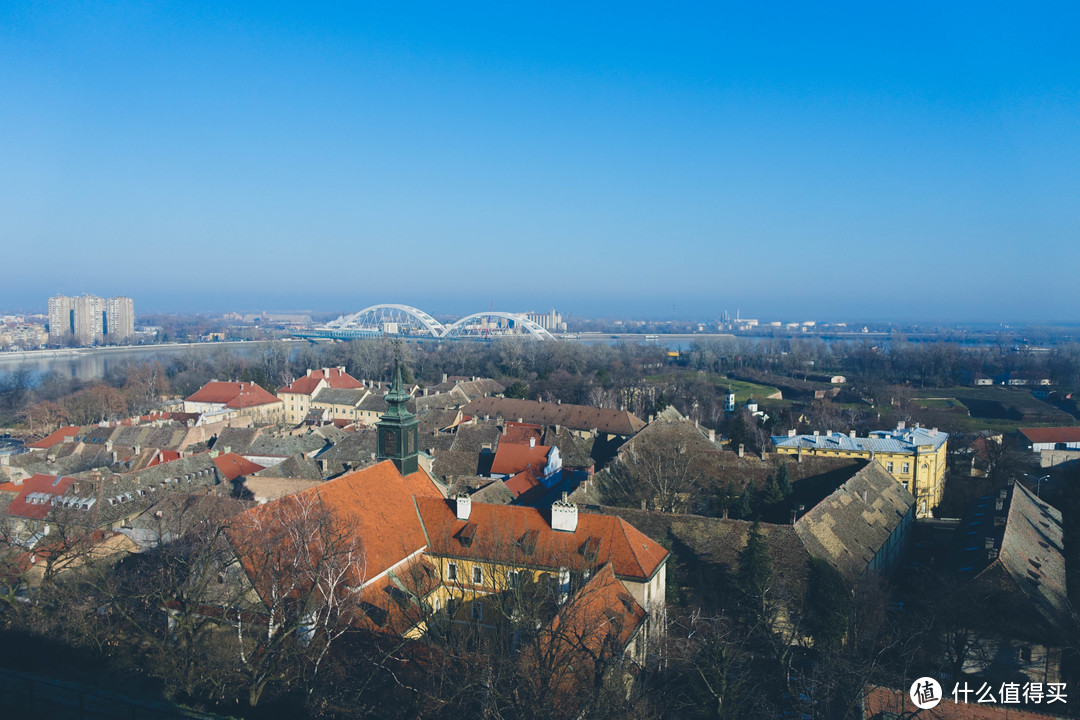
(522, 433)
(511, 459)
(33, 497)
(1045, 434)
(340, 396)
(523, 535)
(374, 503)
(235, 395)
(335, 377)
(848, 527)
(233, 466)
(578, 417)
(57, 437)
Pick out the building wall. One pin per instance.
(922, 472)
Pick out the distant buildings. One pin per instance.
(552, 321)
(88, 319)
(915, 457)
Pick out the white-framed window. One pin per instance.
(451, 571)
(905, 468)
(904, 483)
(888, 466)
(513, 579)
(477, 575)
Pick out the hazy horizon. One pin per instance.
(825, 162)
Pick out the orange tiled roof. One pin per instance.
(335, 377)
(375, 503)
(523, 535)
(511, 459)
(57, 437)
(233, 394)
(233, 466)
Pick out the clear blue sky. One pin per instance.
(795, 161)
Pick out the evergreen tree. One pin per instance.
(744, 504)
(755, 571)
(783, 480)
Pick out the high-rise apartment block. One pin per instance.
(552, 321)
(89, 319)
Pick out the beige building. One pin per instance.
(298, 394)
(915, 457)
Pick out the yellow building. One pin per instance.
(914, 456)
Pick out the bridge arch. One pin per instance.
(388, 311)
(518, 320)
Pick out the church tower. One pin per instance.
(398, 430)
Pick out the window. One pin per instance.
(477, 575)
(513, 579)
(451, 571)
(477, 610)
(905, 468)
(888, 466)
(904, 483)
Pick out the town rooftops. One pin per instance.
(232, 466)
(522, 535)
(577, 417)
(901, 440)
(335, 377)
(1046, 435)
(340, 396)
(511, 459)
(235, 395)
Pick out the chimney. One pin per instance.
(791, 432)
(650, 419)
(817, 433)
(712, 435)
(532, 442)
(725, 513)
(564, 515)
(900, 425)
(464, 507)
(741, 449)
(444, 378)
(425, 392)
(556, 429)
(309, 372)
(851, 433)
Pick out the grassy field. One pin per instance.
(992, 408)
(743, 390)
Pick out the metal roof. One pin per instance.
(884, 441)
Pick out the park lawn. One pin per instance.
(743, 390)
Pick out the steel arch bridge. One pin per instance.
(394, 319)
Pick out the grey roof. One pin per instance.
(236, 439)
(340, 396)
(494, 493)
(350, 453)
(886, 441)
(473, 437)
(575, 451)
(455, 397)
(306, 444)
(296, 466)
(850, 526)
(434, 420)
(454, 463)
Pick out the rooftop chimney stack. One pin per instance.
(564, 515)
(532, 442)
(464, 507)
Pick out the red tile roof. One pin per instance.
(1051, 434)
(511, 459)
(521, 433)
(522, 483)
(42, 487)
(164, 456)
(233, 394)
(233, 466)
(57, 437)
(523, 535)
(335, 377)
(375, 503)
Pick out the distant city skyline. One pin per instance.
(825, 162)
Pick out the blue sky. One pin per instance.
(795, 161)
